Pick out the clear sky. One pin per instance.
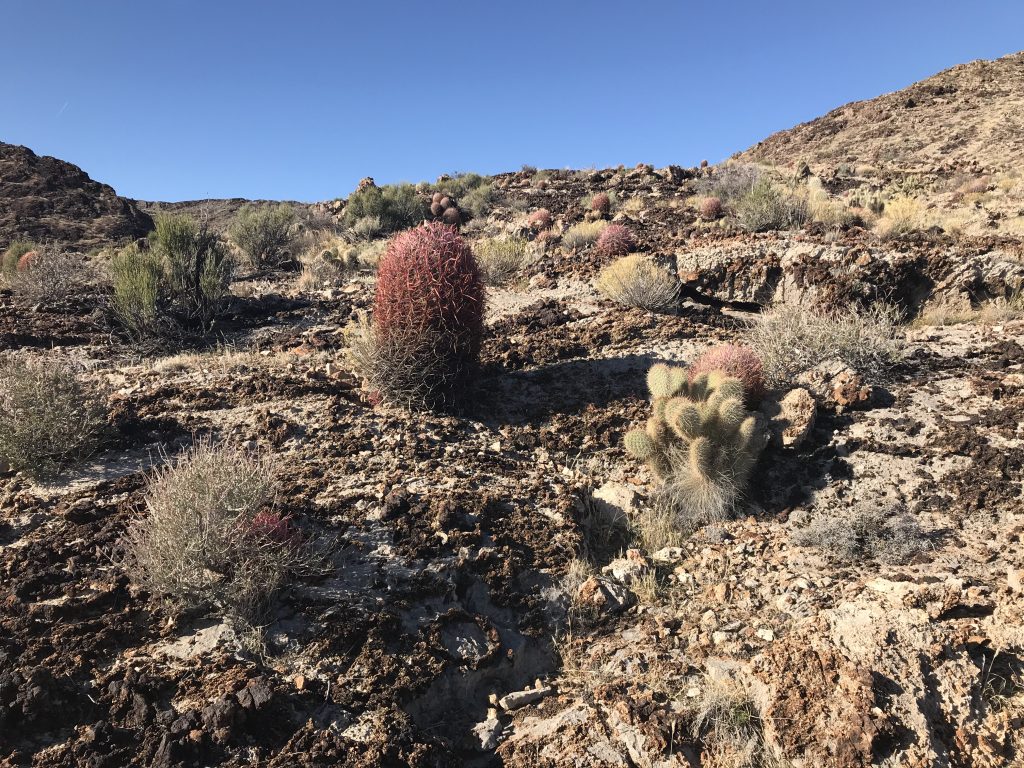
(186, 99)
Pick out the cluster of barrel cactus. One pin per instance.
(701, 441)
(443, 208)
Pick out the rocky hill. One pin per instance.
(969, 118)
(50, 200)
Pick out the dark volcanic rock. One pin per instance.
(49, 200)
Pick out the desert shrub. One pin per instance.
(726, 720)
(263, 233)
(790, 339)
(901, 216)
(766, 207)
(502, 260)
(175, 285)
(634, 281)
(367, 227)
(729, 182)
(827, 211)
(700, 441)
(539, 219)
(615, 240)
(397, 206)
(866, 531)
(48, 275)
(327, 264)
(709, 208)
(428, 308)
(48, 417)
(139, 291)
(14, 252)
(211, 536)
(737, 361)
(583, 234)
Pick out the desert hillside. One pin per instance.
(967, 119)
(713, 467)
(49, 200)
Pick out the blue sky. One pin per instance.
(181, 99)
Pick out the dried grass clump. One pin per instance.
(901, 216)
(790, 339)
(48, 275)
(583, 234)
(502, 260)
(634, 281)
(888, 534)
(263, 233)
(211, 536)
(726, 720)
(48, 417)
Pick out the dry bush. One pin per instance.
(726, 720)
(367, 227)
(865, 531)
(729, 182)
(901, 216)
(49, 275)
(791, 339)
(583, 234)
(48, 417)
(634, 281)
(502, 260)
(949, 311)
(410, 370)
(327, 261)
(211, 536)
(826, 210)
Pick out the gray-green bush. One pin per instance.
(766, 207)
(175, 285)
(263, 233)
(398, 206)
(48, 417)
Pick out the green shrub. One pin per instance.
(765, 208)
(176, 285)
(398, 206)
(263, 233)
(472, 191)
(48, 417)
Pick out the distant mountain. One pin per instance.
(969, 118)
(49, 200)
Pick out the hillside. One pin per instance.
(50, 200)
(969, 118)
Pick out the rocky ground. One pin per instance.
(452, 625)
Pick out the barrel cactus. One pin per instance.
(443, 208)
(700, 441)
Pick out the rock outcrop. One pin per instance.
(52, 201)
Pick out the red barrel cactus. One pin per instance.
(428, 313)
(736, 361)
(601, 203)
(615, 240)
(539, 219)
(710, 208)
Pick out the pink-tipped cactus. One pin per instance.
(26, 260)
(539, 219)
(601, 203)
(273, 527)
(615, 240)
(710, 208)
(734, 360)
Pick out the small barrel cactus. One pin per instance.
(539, 219)
(615, 240)
(601, 203)
(737, 361)
(710, 208)
(445, 209)
(26, 260)
(700, 441)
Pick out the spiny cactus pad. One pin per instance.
(699, 435)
